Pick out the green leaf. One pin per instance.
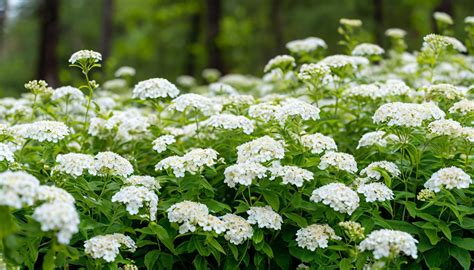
(445, 229)
(151, 258)
(200, 263)
(213, 242)
(267, 250)
(465, 243)
(299, 220)
(272, 199)
(257, 236)
(467, 223)
(432, 235)
(48, 260)
(234, 250)
(462, 256)
(162, 235)
(345, 264)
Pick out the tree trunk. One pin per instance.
(378, 20)
(277, 25)
(214, 14)
(3, 19)
(195, 26)
(49, 37)
(107, 25)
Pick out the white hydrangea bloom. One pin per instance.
(109, 163)
(85, 55)
(189, 214)
(161, 143)
(6, 153)
(443, 17)
(389, 243)
(50, 131)
(439, 42)
(128, 125)
(290, 174)
(444, 90)
(311, 71)
(395, 33)
(175, 163)
(375, 192)
(407, 114)
(462, 107)
(371, 171)
(125, 71)
(339, 61)
(306, 45)
(54, 194)
(379, 138)
(280, 61)
(18, 189)
(445, 127)
(58, 216)
(318, 143)
(195, 102)
(212, 223)
(449, 178)
(236, 100)
(136, 197)
(107, 246)
(75, 164)
(192, 162)
(186, 81)
(367, 49)
(264, 217)
(243, 173)
(155, 88)
(218, 88)
(468, 133)
(337, 196)
(394, 87)
(353, 229)
(315, 236)
(143, 180)
(238, 229)
(469, 20)
(114, 84)
(341, 161)
(294, 107)
(69, 93)
(265, 111)
(260, 150)
(229, 122)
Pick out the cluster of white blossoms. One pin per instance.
(371, 91)
(350, 22)
(367, 49)
(6, 153)
(443, 17)
(192, 162)
(444, 90)
(341, 161)
(425, 195)
(68, 93)
(372, 171)
(85, 55)
(407, 114)
(238, 229)
(125, 125)
(187, 102)
(143, 180)
(109, 163)
(306, 45)
(161, 143)
(376, 138)
(311, 71)
(39, 87)
(340, 61)
(191, 214)
(52, 194)
(218, 88)
(18, 189)
(445, 127)
(375, 192)
(439, 42)
(337, 196)
(58, 216)
(236, 100)
(395, 33)
(75, 164)
(243, 173)
(50, 131)
(318, 143)
(315, 236)
(260, 150)
(108, 246)
(462, 107)
(294, 107)
(136, 197)
(230, 122)
(449, 178)
(114, 84)
(290, 174)
(125, 71)
(155, 88)
(280, 61)
(264, 217)
(353, 229)
(386, 243)
(265, 111)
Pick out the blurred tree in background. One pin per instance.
(168, 38)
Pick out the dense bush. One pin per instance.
(336, 162)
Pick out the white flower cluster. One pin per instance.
(197, 102)
(312, 71)
(125, 71)
(68, 93)
(338, 196)
(469, 20)
(389, 243)
(341, 161)
(6, 153)
(445, 127)
(395, 33)
(236, 100)
(306, 45)
(378, 138)
(367, 49)
(372, 171)
(318, 143)
(109, 163)
(191, 162)
(243, 173)
(50, 131)
(135, 197)
(315, 236)
(294, 107)
(339, 61)
(230, 122)
(443, 17)
(18, 189)
(390, 88)
(260, 150)
(280, 61)
(75, 164)
(462, 107)
(407, 114)
(290, 174)
(53, 194)
(155, 88)
(143, 180)
(353, 229)
(218, 88)
(444, 90)
(161, 143)
(265, 111)
(126, 125)
(350, 22)
(191, 214)
(85, 55)
(114, 84)
(107, 246)
(374, 192)
(449, 178)
(238, 229)
(264, 217)
(58, 216)
(439, 42)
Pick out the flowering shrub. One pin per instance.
(357, 161)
